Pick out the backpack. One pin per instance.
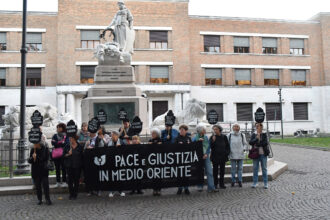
(241, 136)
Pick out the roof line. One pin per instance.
(252, 19)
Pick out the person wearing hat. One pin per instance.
(39, 156)
(124, 132)
(183, 138)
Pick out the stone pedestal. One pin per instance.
(114, 89)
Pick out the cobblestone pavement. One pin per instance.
(302, 192)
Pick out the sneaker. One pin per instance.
(48, 202)
(240, 184)
(132, 192)
(254, 185)
(111, 195)
(179, 192)
(122, 194)
(58, 184)
(215, 190)
(89, 194)
(232, 184)
(39, 202)
(155, 193)
(266, 186)
(187, 192)
(200, 190)
(223, 187)
(64, 185)
(98, 193)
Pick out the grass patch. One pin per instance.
(305, 141)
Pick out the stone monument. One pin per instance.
(114, 81)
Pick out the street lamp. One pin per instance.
(22, 165)
(280, 99)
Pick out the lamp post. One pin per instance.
(22, 165)
(280, 99)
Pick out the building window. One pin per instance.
(298, 77)
(2, 112)
(89, 39)
(271, 77)
(211, 43)
(159, 108)
(3, 41)
(87, 74)
(159, 74)
(300, 111)
(273, 111)
(269, 45)
(213, 76)
(243, 77)
(244, 112)
(297, 46)
(33, 76)
(158, 39)
(241, 45)
(34, 41)
(2, 77)
(218, 107)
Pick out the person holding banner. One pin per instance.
(155, 139)
(115, 142)
(59, 141)
(103, 138)
(183, 138)
(259, 140)
(124, 132)
(73, 160)
(83, 134)
(238, 145)
(201, 136)
(136, 140)
(39, 156)
(220, 150)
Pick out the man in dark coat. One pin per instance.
(220, 151)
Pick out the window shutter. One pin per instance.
(90, 35)
(244, 112)
(87, 72)
(241, 42)
(211, 41)
(159, 72)
(2, 73)
(158, 36)
(218, 107)
(273, 111)
(3, 38)
(298, 75)
(300, 111)
(33, 38)
(213, 73)
(34, 73)
(242, 74)
(269, 42)
(271, 74)
(296, 43)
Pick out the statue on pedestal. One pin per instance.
(119, 51)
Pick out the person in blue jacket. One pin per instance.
(169, 135)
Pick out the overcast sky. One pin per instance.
(278, 9)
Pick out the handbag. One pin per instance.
(57, 153)
(253, 153)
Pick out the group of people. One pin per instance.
(218, 149)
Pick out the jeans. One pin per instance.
(216, 165)
(263, 160)
(209, 174)
(236, 167)
(59, 166)
(43, 180)
(73, 180)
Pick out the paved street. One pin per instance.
(303, 192)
